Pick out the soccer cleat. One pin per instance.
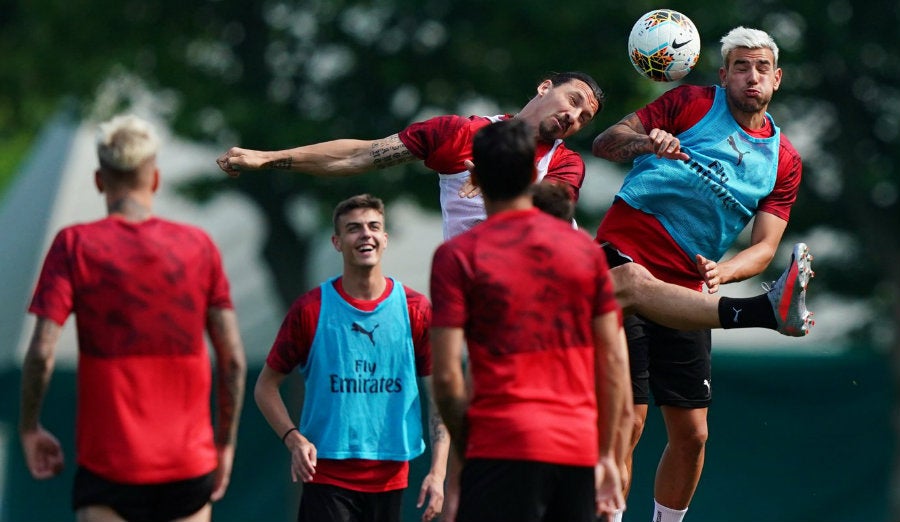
(788, 294)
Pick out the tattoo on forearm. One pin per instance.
(389, 152)
(280, 163)
(625, 148)
(438, 430)
(231, 392)
(231, 374)
(36, 369)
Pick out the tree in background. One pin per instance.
(272, 75)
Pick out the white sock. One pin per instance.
(617, 516)
(663, 514)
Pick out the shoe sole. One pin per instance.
(800, 273)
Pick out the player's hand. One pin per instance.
(709, 271)
(237, 159)
(433, 489)
(665, 145)
(303, 457)
(608, 495)
(43, 453)
(223, 471)
(469, 189)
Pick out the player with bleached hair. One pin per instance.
(144, 291)
(706, 162)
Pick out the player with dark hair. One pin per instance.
(536, 446)
(361, 342)
(553, 199)
(563, 104)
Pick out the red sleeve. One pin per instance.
(219, 290)
(443, 142)
(678, 109)
(421, 138)
(420, 321)
(787, 183)
(295, 337)
(53, 295)
(567, 167)
(447, 286)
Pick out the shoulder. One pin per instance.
(310, 301)
(787, 148)
(444, 124)
(417, 301)
(414, 295)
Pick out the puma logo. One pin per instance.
(735, 147)
(356, 327)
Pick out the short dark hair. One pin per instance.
(565, 77)
(554, 199)
(353, 203)
(503, 154)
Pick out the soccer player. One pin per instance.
(360, 341)
(563, 104)
(143, 290)
(707, 160)
(549, 392)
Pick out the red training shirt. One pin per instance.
(140, 293)
(525, 288)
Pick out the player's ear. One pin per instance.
(155, 185)
(98, 181)
(544, 87)
(336, 242)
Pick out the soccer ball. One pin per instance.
(664, 45)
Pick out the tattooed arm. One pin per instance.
(628, 139)
(231, 373)
(433, 484)
(43, 453)
(331, 158)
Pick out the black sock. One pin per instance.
(747, 312)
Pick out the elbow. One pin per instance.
(598, 147)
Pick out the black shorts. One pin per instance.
(142, 502)
(321, 502)
(676, 365)
(493, 490)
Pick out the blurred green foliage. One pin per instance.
(277, 74)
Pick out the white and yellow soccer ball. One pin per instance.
(664, 45)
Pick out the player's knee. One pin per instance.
(691, 441)
(631, 281)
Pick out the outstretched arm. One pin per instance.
(342, 157)
(43, 453)
(231, 371)
(628, 139)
